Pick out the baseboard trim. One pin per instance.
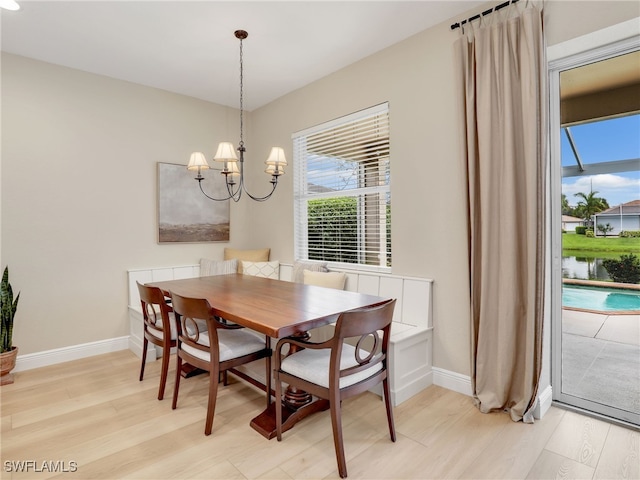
(452, 381)
(462, 384)
(66, 354)
(545, 397)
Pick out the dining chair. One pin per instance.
(221, 348)
(335, 369)
(159, 329)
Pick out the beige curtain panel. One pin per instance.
(503, 72)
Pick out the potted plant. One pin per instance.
(8, 307)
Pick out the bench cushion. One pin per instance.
(258, 255)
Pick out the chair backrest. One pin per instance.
(365, 325)
(187, 311)
(155, 310)
(365, 321)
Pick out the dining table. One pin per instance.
(278, 309)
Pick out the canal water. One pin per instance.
(584, 268)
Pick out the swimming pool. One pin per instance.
(600, 299)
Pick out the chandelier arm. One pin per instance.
(274, 184)
(234, 195)
(230, 188)
(209, 196)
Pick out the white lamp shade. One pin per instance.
(197, 161)
(232, 167)
(9, 5)
(271, 169)
(276, 157)
(226, 153)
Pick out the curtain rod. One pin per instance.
(486, 12)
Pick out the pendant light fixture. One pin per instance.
(233, 170)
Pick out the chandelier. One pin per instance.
(233, 170)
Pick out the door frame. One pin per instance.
(595, 48)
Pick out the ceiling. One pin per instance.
(188, 47)
(609, 74)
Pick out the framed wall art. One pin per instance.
(184, 213)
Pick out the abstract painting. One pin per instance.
(184, 213)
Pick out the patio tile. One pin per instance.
(585, 324)
(622, 329)
(578, 354)
(614, 378)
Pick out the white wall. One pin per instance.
(79, 155)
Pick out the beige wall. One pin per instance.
(418, 79)
(79, 155)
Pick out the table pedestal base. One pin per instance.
(189, 371)
(265, 423)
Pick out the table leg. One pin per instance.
(294, 398)
(296, 405)
(265, 423)
(188, 371)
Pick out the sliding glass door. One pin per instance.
(595, 158)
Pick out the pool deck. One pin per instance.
(601, 357)
(596, 283)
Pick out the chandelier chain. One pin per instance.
(234, 172)
(241, 97)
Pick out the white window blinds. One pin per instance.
(342, 190)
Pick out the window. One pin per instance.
(342, 190)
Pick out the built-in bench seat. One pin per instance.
(411, 348)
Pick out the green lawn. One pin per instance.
(574, 242)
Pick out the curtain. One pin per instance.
(503, 88)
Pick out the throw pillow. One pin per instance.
(325, 279)
(300, 266)
(262, 269)
(259, 255)
(217, 267)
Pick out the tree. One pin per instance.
(589, 206)
(604, 229)
(333, 229)
(625, 270)
(566, 208)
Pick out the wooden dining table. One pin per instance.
(278, 309)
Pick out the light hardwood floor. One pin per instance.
(94, 416)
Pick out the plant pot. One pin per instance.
(7, 363)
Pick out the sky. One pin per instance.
(602, 141)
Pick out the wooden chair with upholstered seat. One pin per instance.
(222, 347)
(159, 329)
(335, 370)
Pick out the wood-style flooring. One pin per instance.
(94, 416)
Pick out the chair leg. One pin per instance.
(164, 372)
(174, 404)
(145, 343)
(214, 375)
(387, 403)
(336, 423)
(278, 405)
